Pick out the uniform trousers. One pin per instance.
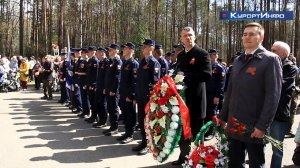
(113, 110)
(142, 102)
(85, 101)
(100, 106)
(128, 111)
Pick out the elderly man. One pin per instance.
(280, 125)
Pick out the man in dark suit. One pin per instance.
(194, 64)
(252, 97)
(280, 124)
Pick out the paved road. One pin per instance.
(44, 134)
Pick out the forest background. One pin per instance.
(31, 27)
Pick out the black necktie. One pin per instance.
(248, 56)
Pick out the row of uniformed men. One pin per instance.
(94, 79)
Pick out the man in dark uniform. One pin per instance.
(111, 87)
(80, 79)
(100, 95)
(76, 89)
(158, 55)
(69, 77)
(168, 58)
(178, 48)
(194, 64)
(147, 75)
(214, 89)
(64, 96)
(91, 78)
(127, 91)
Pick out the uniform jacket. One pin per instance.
(164, 66)
(196, 66)
(253, 92)
(289, 72)
(81, 67)
(92, 67)
(128, 78)
(148, 74)
(112, 76)
(215, 86)
(102, 68)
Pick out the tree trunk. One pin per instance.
(21, 28)
(44, 26)
(297, 32)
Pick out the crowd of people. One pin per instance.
(101, 84)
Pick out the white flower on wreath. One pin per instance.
(179, 87)
(153, 106)
(164, 108)
(202, 154)
(216, 161)
(164, 86)
(199, 166)
(175, 109)
(178, 78)
(171, 72)
(173, 101)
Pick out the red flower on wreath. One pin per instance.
(162, 101)
(152, 116)
(210, 160)
(158, 130)
(160, 114)
(169, 93)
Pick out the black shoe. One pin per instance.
(290, 135)
(143, 151)
(50, 98)
(139, 147)
(99, 125)
(177, 162)
(90, 120)
(127, 140)
(76, 111)
(60, 101)
(121, 138)
(44, 97)
(111, 131)
(137, 128)
(81, 115)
